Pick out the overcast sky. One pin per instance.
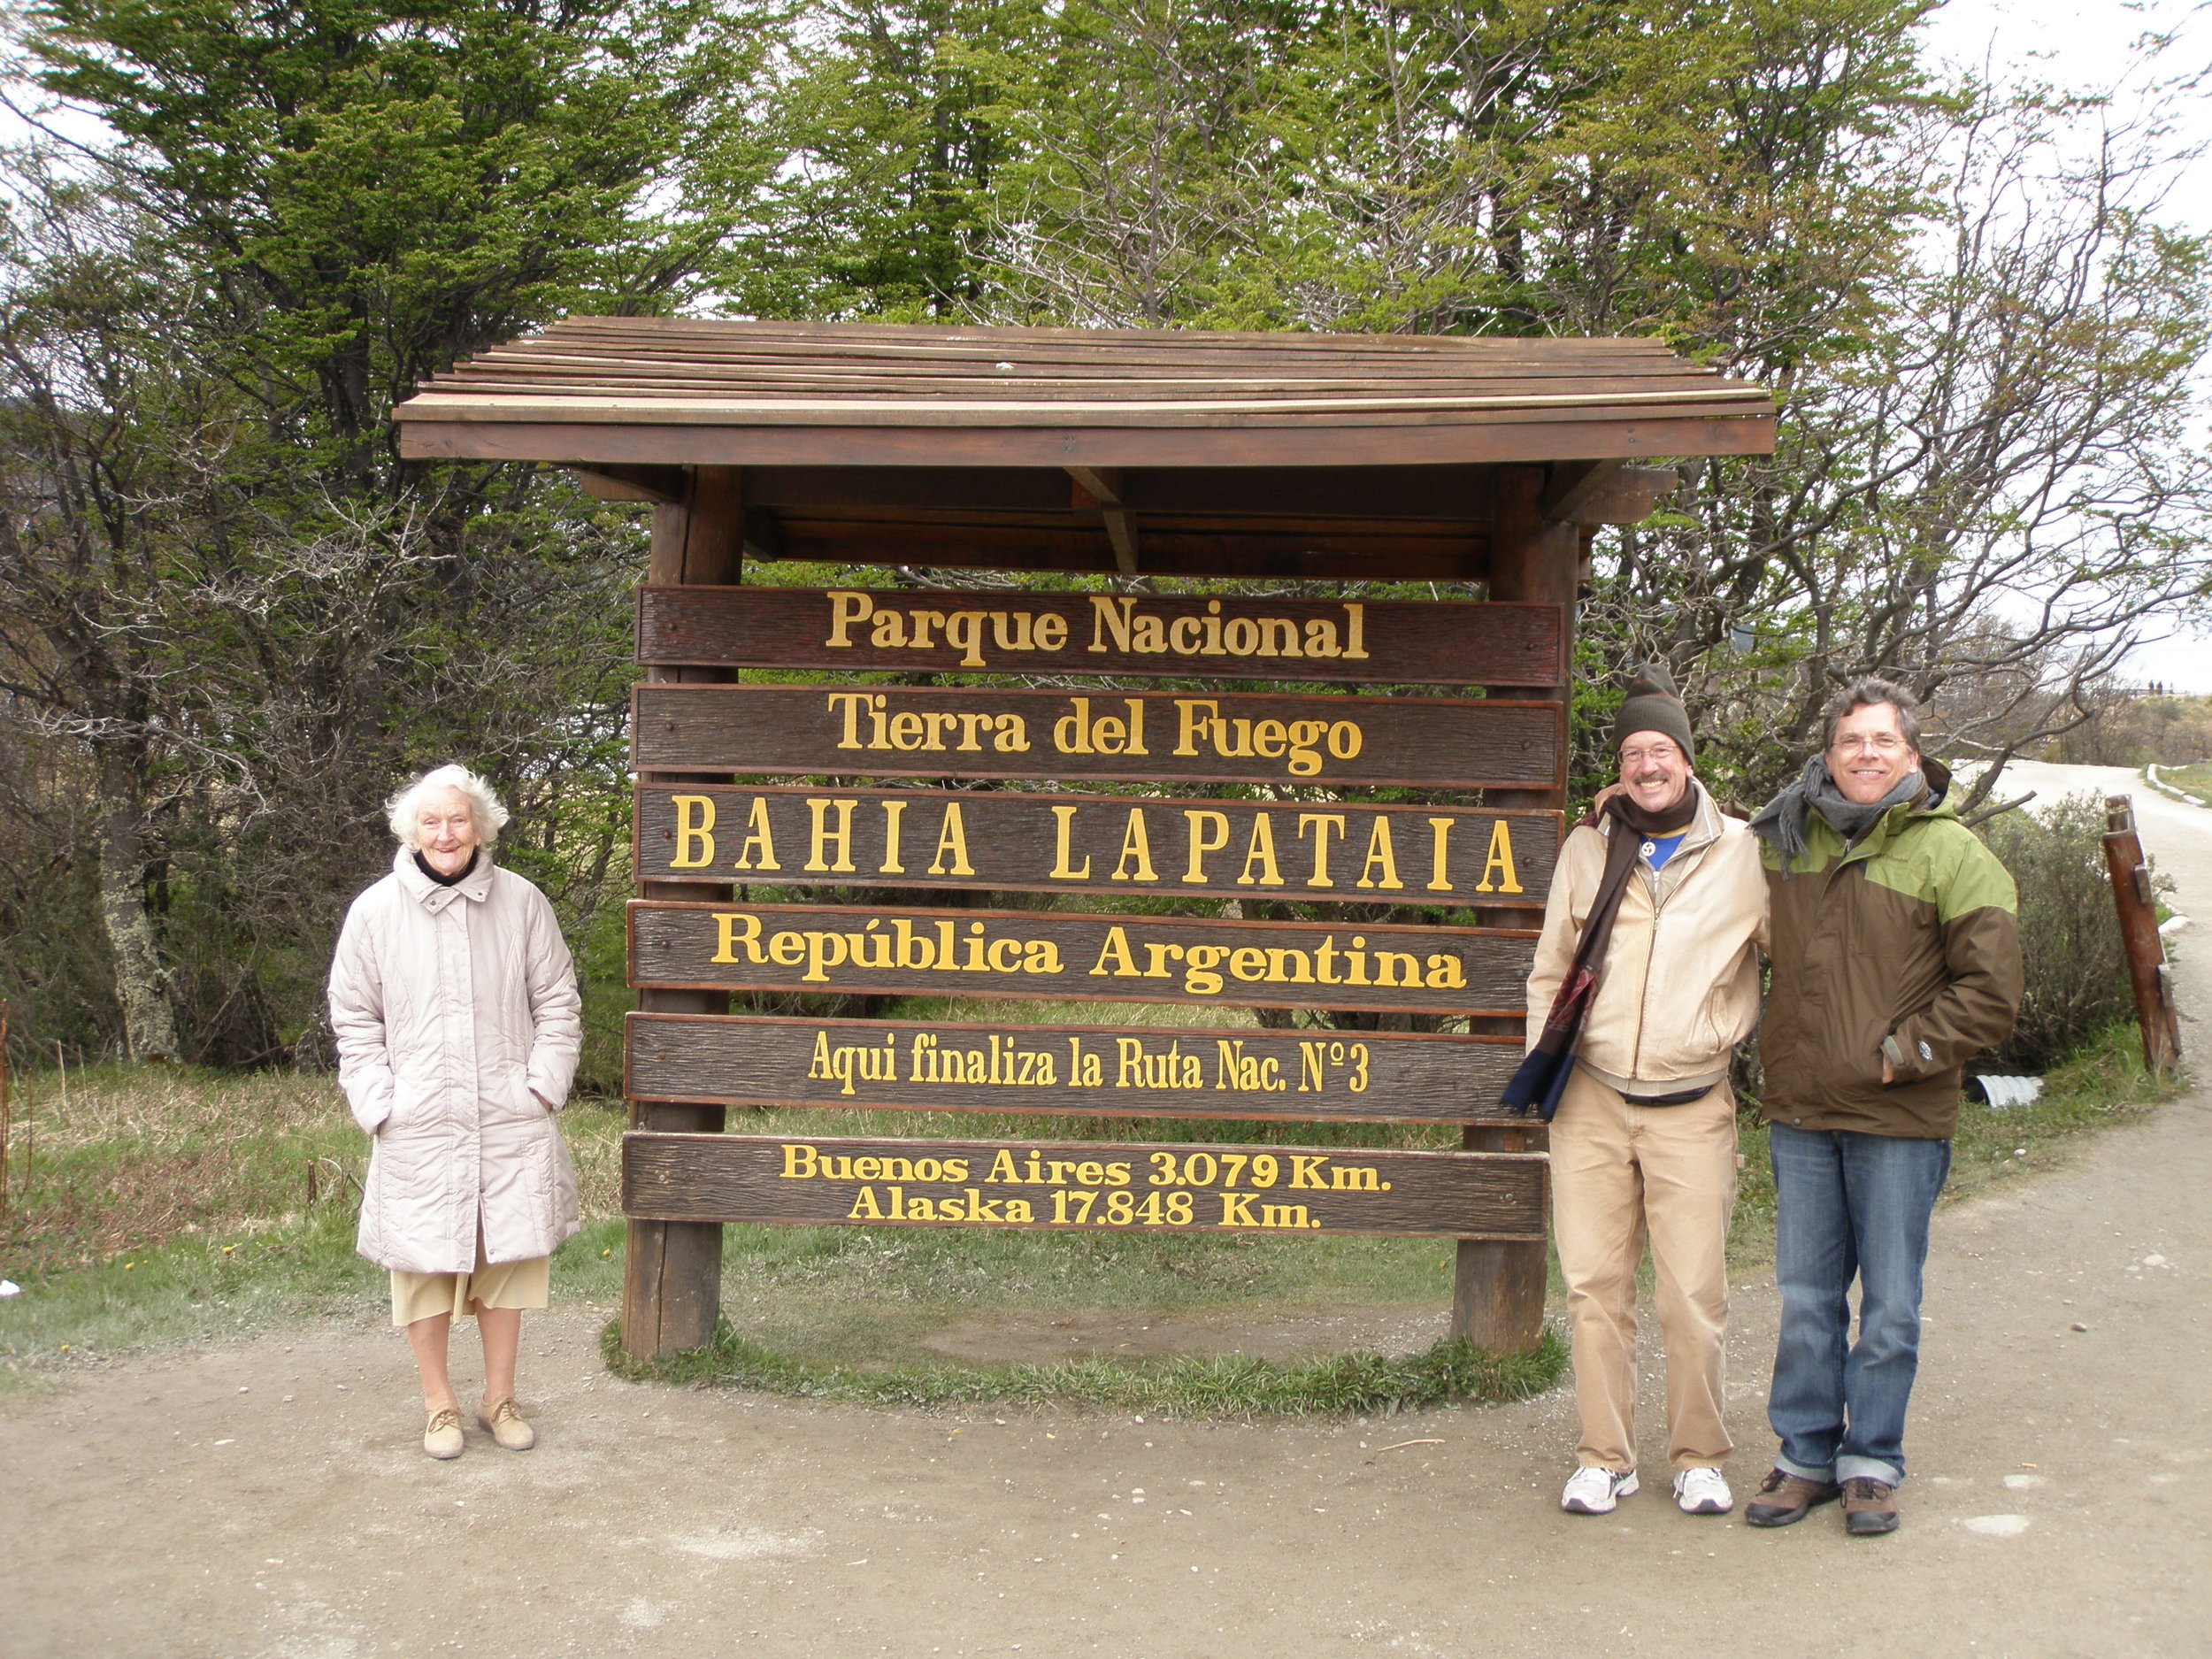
(2089, 45)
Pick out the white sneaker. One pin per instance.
(1703, 1492)
(1594, 1491)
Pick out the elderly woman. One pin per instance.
(457, 1022)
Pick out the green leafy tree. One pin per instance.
(220, 577)
(884, 119)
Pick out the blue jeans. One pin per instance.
(1849, 1205)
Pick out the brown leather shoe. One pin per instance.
(1870, 1507)
(442, 1435)
(506, 1425)
(1784, 1497)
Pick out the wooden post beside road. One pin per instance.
(2147, 969)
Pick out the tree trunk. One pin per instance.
(141, 985)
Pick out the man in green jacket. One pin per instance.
(1896, 952)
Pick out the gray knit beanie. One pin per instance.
(1654, 705)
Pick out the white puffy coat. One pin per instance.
(452, 1006)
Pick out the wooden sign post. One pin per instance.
(1311, 834)
(1355, 798)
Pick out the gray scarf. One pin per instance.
(1783, 820)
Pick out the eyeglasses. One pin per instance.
(1638, 756)
(1878, 743)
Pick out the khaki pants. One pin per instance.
(1622, 1174)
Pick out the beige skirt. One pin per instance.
(500, 1284)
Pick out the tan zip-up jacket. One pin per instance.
(1680, 985)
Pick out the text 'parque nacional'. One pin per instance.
(1384, 641)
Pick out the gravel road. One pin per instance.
(268, 1499)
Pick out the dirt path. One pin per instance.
(268, 1500)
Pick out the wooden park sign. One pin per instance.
(998, 840)
(1083, 1186)
(1146, 736)
(1387, 642)
(1136, 455)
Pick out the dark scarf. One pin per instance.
(1782, 821)
(457, 878)
(1543, 1075)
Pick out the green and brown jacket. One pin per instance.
(1912, 933)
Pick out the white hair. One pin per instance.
(484, 806)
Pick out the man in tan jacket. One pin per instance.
(1643, 1146)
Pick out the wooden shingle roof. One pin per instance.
(686, 391)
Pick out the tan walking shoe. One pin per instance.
(506, 1425)
(441, 1436)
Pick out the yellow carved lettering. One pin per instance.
(1201, 842)
(692, 833)
(727, 937)
(1261, 851)
(1322, 824)
(1379, 852)
(1135, 843)
(759, 849)
(1499, 862)
(1116, 949)
(841, 836)
(846, 608)
(1063, 831)
(952, 837)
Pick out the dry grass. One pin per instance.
(122, 1159)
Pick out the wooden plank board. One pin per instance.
(1372, 495)
(895, 951)
(653, 438)
(1082, 1187)
(1223, 737)
(1386, 642)
(1080, 552)
(1092, 1071)
(1186, 416)
(997, 840)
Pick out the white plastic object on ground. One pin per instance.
(9, 1287)
(2004, 1092)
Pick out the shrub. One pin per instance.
(2077, 975)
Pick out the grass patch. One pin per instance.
(151, 1205)
(165, 1205)
(2195, 780)
(2102, 1085)
(1219, 1386)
